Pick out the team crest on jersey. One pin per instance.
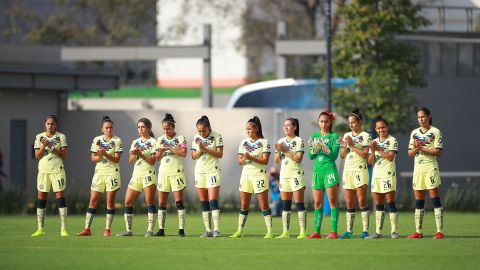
(54, 140)
(207, 141)
(105, 145)
(430, 137)
(357, 139)
(169, 143)
(289, 145)
(384, 146)
(250, 147)
(142, 146)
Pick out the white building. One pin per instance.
(229, 65)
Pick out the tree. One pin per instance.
(87, 23)
(258, 20)
(385, 69)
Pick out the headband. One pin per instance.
(356, 115)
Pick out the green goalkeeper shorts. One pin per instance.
(325, 179)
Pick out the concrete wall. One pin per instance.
(453, 102)
(81, 127)
(32, 107)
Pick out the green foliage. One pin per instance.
(84, 22)
(365, 48)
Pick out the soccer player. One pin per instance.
(323, 149)
(171, 149)
(106, 150)
(289, 152)
(207, 149)
(354, 149)
(50, 151)
(253, 155)
(384, 177)
(426, 145)
(144, 177)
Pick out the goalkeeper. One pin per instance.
(324, 148)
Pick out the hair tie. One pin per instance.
(332, 118)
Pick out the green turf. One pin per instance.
(460, 250)
(148, 92)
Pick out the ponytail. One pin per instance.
(356, 113)
(296, 124)
(256, 122)
(426, 111)
(169, 119)
(148, 124)
(204, 121)
(107, 119)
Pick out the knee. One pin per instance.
(318, 204)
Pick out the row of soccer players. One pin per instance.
(254, 151)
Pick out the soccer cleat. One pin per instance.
(85, 232)
(161, 233)
(438, 236)
(63, 233)
(268, 235)
(364, 235)
(284, 235)
(346, 235)
(395, 235)
(314, 236)
(216, 234)
(107, 233)
(332, 235)
(126, 233)
(302, 235)
(207, 234)
(415, 235)
(375, 236)
(149, 234)
(181, 233)
(38, 233)
(237, 234)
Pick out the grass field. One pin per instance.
(460, 250)
(148, 92)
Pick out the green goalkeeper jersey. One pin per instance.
(323, 159)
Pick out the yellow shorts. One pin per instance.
(58, 182)
(207, 180)
(290, 184)
(426, 180)
(106, 182)
(355, 179)
(254, 183)
(175, 182)
(138, 183)
(384, 184)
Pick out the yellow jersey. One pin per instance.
(50, 162)
(255, 149)
(354, 162)
(431, 139)
(289, 167)
(384, 167)
(141, 167)
(207, 163)
(112, 146)
(169, 162)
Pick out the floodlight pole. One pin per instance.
(329, 56)
(207, 101)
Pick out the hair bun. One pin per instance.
(169, 118)
(106, 117)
